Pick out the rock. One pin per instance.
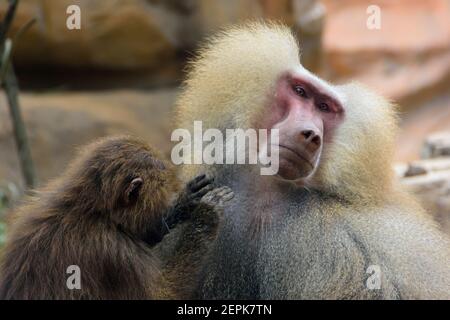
(407, 59)
(137, 35)
(419, 167)
(429, 179)
(414, 170)
(400, 169)
(419, 124)
(305, 17)
(115, 35)
(437, 145)
(432, 182)
(210, 15)
(433, 190)
(59, 123)
(309, 21)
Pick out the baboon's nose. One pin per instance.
(311, 139)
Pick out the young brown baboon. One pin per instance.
(103, 216)
(333, 223)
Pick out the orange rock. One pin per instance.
(58, 123)
(115, 35)
(408, 57)
(419, 124)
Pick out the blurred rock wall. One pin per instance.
(407, 59)
(59, 123)
(136, 35)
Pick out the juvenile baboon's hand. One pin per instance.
(187, 201)
(210, 210)
(199, 187)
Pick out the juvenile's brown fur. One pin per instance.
(88, 218)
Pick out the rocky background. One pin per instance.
(120, 74)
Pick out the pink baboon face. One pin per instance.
(305, 112)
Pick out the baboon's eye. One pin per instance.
(300, 91)
(324, 107)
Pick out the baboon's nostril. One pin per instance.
(307, 133)
(316, 140)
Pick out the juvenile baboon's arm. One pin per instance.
(181, 208)
(187, 201)
(183, 268)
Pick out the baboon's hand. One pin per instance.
(210, 210)
(217, 197)
(199, 187)
(187, 201)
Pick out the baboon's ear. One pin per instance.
(133, 190)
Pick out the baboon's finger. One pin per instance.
(195, 181)
(203, 191)
(201, 183)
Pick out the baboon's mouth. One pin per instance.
(297, 154)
